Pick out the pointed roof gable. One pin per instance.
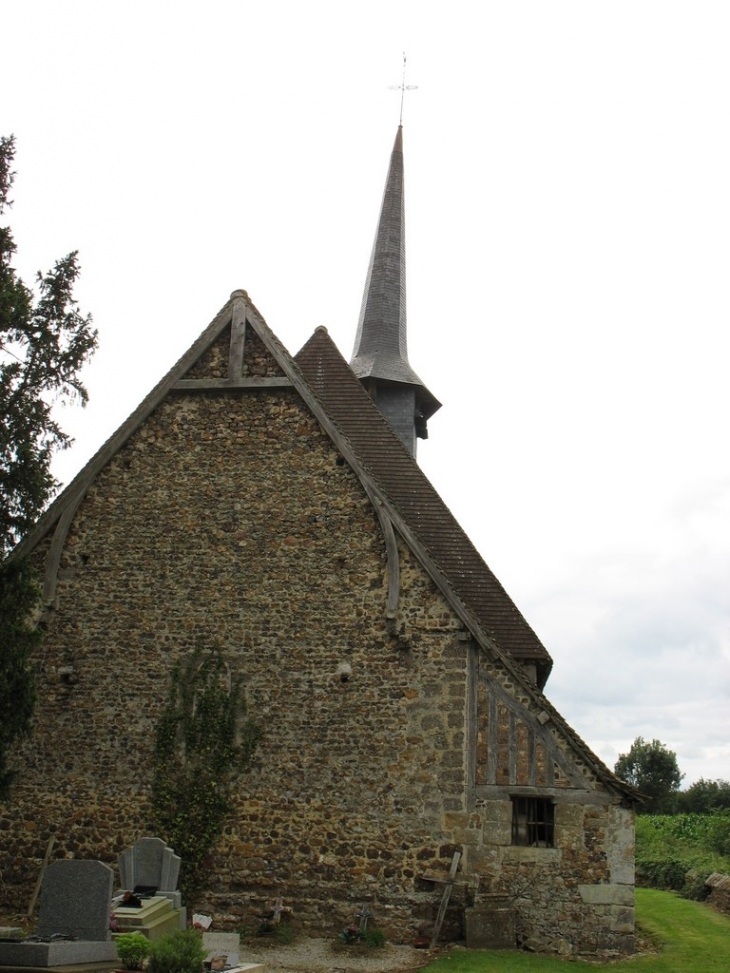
(381, 345)
(391, 477)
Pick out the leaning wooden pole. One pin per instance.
(445, 898)
(36, 890)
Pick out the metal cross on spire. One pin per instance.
(402, 87)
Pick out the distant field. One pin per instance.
(691, 939)
(670, 846)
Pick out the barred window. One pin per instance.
(533, 822)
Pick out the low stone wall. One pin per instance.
(719, 897)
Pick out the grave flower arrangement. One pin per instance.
(353, 935)
(350, 934)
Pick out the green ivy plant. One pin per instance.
(203, 743)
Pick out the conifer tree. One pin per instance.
(44, 342)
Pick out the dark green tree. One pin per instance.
(705, 797)
(44, 341)
(653, 770)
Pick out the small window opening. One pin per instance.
(533, 822)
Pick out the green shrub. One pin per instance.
(133, 949)
(694, 885)
(282, 932)
(352, 936)
(178, 952)
(374, 938)
(663, 873)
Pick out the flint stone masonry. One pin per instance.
(230, 518)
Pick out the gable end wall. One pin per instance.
(229, 517)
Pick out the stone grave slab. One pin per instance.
(75, 902)
(490, 927)
(43, 955)
(156, 917)
(222, 949)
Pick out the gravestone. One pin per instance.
(491, 925)
(75, 902)
(149, 862)
(222, 949)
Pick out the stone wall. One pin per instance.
(230, 518)
(719, 897)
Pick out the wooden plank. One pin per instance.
(238, 341)
(442, 878)
(512, 748)
(36, 890)
(561, 795)
(491, 738)
(445, 899)
(214, 384)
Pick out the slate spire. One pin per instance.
(380, 356)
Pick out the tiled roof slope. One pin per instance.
(380, 451)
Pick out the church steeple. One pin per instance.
(380, 357)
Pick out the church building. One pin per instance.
(272, 505)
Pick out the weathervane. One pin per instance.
(402, 87)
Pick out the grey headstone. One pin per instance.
(170, 870)
(148, 854)
(76, 900)
(149, 862)
(126, 869)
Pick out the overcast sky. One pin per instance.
(568, 217)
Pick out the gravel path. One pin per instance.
(325, 956)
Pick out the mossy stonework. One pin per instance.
(389, 740)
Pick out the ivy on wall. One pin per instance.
(203, 743)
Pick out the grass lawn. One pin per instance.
(692, 939)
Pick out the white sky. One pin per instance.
(568, 206)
